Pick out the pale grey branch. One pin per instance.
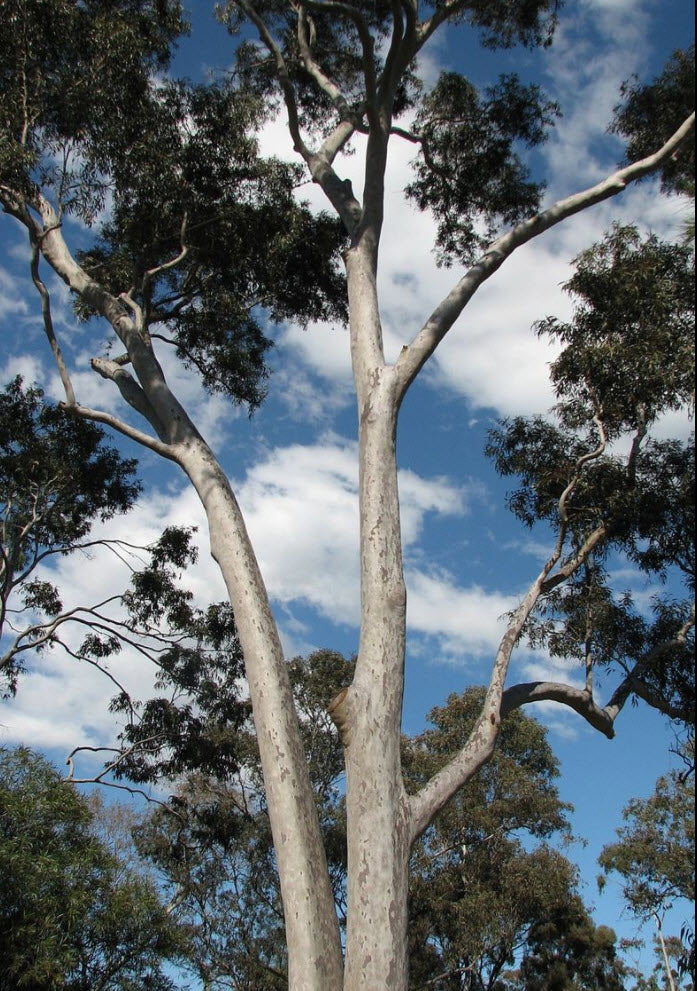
(414, 356)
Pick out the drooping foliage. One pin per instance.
(597, 476)
(471, 175)
(58, 478)
(195, 723)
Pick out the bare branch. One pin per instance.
(482, 740)
(129, 389)
(336, 140)
(580, 700)
(99, 780)
(601, 718)
(48, 321)
(99, 416)
(151, 273)
(415, 355)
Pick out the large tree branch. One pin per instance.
(367, 48)
(427, 28)
(130, 390)
(109, 420)
(314, 69)
(482, 740)
(414, 356)
(119, 314)
(580, 700)
(48, 321)
(338, 192)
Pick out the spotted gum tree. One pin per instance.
(203, 239)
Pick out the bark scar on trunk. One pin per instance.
(339, 714)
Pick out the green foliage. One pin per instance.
(57, 478)
(68, 71)
(569, 953)
(251, 250)
(628, 353)
(479, 882)
(58, 469)
(627, 358)
(652, 112)
(471, 176)
(655, 854)
(85, 115)
(72, 915)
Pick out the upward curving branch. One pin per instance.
(415, 355)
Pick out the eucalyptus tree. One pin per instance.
(655, 857)
(57, 479)
(83, 112)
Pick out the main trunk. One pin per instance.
(377, 807)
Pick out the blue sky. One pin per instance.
(294, 462)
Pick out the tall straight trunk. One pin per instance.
(314, 948)
(377, 805)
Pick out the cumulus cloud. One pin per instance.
(301, 506)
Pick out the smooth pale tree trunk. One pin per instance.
(314, 949)
(376, 801)
(664, 952)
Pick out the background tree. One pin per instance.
(57, 478)
(655, 856)
(72, 915)
(567, 951)
(484, 877)
(340, 70)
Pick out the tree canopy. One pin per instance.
(191, 240)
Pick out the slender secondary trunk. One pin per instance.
(314, 949)
(377, 805)
(664, 952)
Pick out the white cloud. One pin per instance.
(12, 305)
(28, 366)
(466, 622)
(301, 507)
(300, 503)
